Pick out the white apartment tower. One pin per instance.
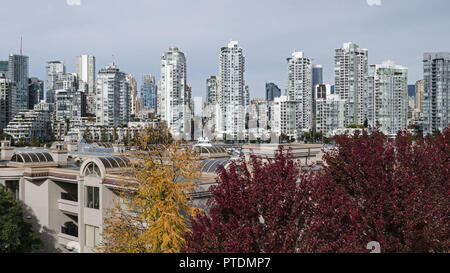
(329, 114)
(174, 98)
(113, 97)
(299, 88)
(350, 71)
(86, 71)
(284, 116)
(233, 96)
(387, 97)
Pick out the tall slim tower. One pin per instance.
(212, 90)
(350, 72)
(436, 104)
(419, 97)
(86, 71)
(18, 73)
(133, 89)
(8, 100)
(299, 88)
(233, 97)
(175, 110)
(54, 70)
(149, 92)
(317, 75)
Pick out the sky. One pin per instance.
(137, 32)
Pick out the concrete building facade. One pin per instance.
(436, 103)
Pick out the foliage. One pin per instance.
(22, 142)
(87, 134)
(156, 215)
(374, 189)
(257, 207)
(35, 142)
(371, 188)
(16, 235)
(355, 126)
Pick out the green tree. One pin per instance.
(16, 235)
(104, 137)
(22, 142)
(35, 142)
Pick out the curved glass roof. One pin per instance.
(211, 165)
(32, 157)
(113, 162)
(211, 150)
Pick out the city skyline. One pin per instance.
(387, 31)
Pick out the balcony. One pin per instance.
(68, 206)
(69, 197)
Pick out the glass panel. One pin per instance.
(89, 202)
(48, 156)
(121, 162)
(113, 162)
(105, 162)
(92, 197)
(97, 236)
(90, 236)
(41, 157)
(34, 157)
(26, 157)
(96, 198)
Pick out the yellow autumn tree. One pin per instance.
(154, 211)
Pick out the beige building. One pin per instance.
(66, 193)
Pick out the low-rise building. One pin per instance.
(30, 124)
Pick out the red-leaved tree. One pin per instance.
(393, 191)
(256, 207)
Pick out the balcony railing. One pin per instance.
(69, 197)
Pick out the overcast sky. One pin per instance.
(137, 32)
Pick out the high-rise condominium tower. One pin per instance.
(149, 92)
(212, 90)
(54, 69)
(350, 72)
(436, 104)
(113, 97)
(35, 92)
(8, 100)
(86, 71)
(299, 88)
(317, 75)
(233, 97)
(419, 97)
(387, 97)
(272, 91)
(175, 102)
(18, 73)
(133, 91)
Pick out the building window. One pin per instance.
(92, 197)
(92, 238)
(92, 170)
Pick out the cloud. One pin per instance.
(77, 2)
(374, 2)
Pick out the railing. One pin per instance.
(69, 197)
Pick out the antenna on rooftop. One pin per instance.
(20, 45)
